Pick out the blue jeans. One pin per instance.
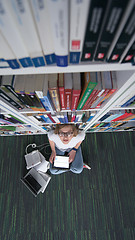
(75, 167)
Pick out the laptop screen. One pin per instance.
(32, 183)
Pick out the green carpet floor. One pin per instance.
(95, 205)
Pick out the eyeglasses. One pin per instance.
(66, 134)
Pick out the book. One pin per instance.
(61, 90)
(96, 13)
(6, 86)
(78, 19)
(6, 54)
(79, 116)
(122, 117)
(68, 85)
(130, 101)
(42, 22)
(43, 93)
(107, 84)
(19, 88)
(53, 90)
(59, 18)
(46, 118)
(123, 34)
(22, 15)
(89, 84)
(128, 53)
(12, 35)
(8, 99)
(113, 15)
(126, 98)
(73, 116)
(76, 91)
(29, 90)
(94, 92)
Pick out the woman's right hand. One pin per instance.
(52, 157)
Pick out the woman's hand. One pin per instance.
(71, 155)
(52, 157)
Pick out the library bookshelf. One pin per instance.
(34, 47)
(125, 84)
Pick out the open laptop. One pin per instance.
(36, 182)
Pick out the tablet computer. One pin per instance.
(61, 162)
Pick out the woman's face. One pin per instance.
(66, 134)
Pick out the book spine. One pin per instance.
(22, 15)
(131, 100)
(78, 18)
(62, 97)
(111, 91)
(13, 36)
(112, 18)
(10, 100)
(101, 95)
(59, 17)
(89, 99)
(128, 57)
(75, 99)
(55, 99)
(7, 55)
(68, 93)
(94, 22)
(41, 16)
(11, 89)
(86, 95)
(46, 118)
(124, 38)
(126, 17)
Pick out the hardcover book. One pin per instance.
(53, 90)
(76, 91)
(61, 90)
(42, 21)
(96, 13)
(87, 88)
(78, 19)
(112, 18)
(68, 85)
(59, 18)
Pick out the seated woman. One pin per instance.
(66, 138)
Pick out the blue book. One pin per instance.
(38, 61)
(46, 118)
(131, 100)
(74, 57)
(26, 62)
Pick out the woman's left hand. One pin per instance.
(71, 155)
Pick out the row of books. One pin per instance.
(8, 119)
(56, 92)
(17, 130)
(114, 127)
(63, 117)
(118, 116)
(38, 33)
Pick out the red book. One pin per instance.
(68, 89)
(122, 117)
(76, 90)
(61, 90)
(89, 99)
(49, 115)
(107, 96)
(96, 91)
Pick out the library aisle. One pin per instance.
(94, 205)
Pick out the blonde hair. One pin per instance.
(60, 126)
